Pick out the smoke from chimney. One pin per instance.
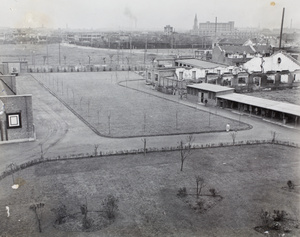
(129, 14)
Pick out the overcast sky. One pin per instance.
(149, 14)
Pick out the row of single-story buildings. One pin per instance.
(224, 97)
(277, 71)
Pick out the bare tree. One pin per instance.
(145, 145)
(274, 136)
(42, 151)
(233, 136)
(11, 167)
(86, 224)
(88, 104)
(37, 208)
(200, 185)
(185, 150)
(96, 149)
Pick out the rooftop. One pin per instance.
(210, 87)
(199, 63)
(263, 103)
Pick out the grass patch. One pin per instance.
(121, 112)
(249, 178)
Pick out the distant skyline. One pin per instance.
(146, 15)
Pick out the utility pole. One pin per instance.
(59, 53)
(47, 53)
(281, 28)
(145, 53)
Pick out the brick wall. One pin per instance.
(20, 105)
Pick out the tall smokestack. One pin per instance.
(281, 28)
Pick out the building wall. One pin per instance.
(9, 67)
(21, 106)
(209, 28)
(2, 69)
(9, 81)
(218, 56)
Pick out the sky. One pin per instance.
(146, 15)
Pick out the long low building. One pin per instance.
(215, 95)
(286, 112)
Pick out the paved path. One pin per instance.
(60, 132)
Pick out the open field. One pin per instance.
(249, 178)
(79, 55)
(122, 112)
(287, 95)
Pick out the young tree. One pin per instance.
(200, 185)
(274, 136)
(145, 145)
(11, 167)
(96, 149)
(185, 150)
(233, 136)
(86, 224)
(37, 208)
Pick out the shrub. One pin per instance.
(61, 213)
(213, 192)
(110, 206)
(279, 215)
(200, 205)
(182, 192)
(290, 184)
(266, 218)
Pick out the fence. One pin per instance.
(140, 151)
(86, 68)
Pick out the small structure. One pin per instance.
(14, 67)
(16, 117)
(281, 64)
(206, 93)
(274, 110)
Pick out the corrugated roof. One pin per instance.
(210, 87)
(263, 103)
(199, 63)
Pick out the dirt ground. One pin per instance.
(249, 178)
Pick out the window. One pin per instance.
(194, 75)
(14, 120)
(180, 75)
(242, 80)
(279, 60)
